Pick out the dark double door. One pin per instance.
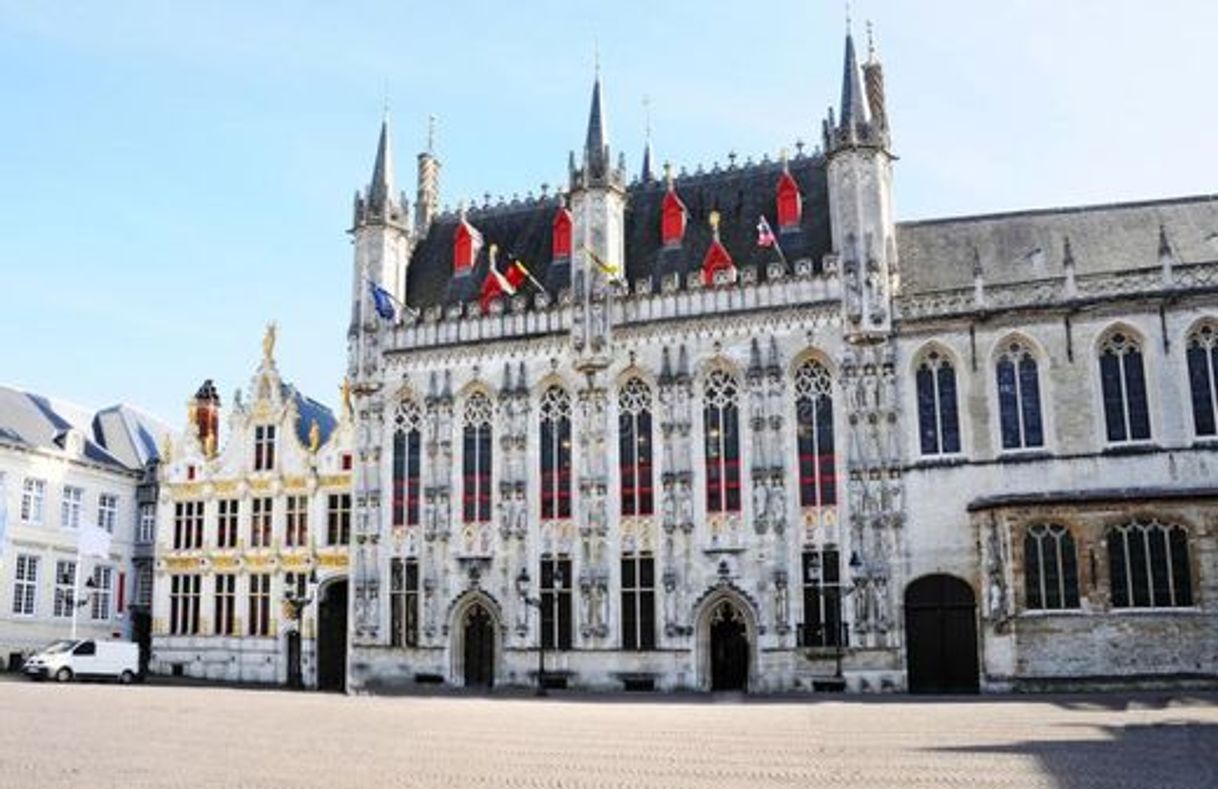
(479, 642)
(941, 635)
(332, 638)
(729, 646)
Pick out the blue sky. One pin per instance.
(175, 175)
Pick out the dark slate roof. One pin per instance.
(37, 421)
(308, 410)
(740, 194)
(940, 254)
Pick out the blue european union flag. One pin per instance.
(382, 301)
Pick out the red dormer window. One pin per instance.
(467, 241)
(717, 259)
(672, 219)
(790, 204)
(562, 234)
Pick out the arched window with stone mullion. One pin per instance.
(814, 435)
(938, 415)
(1202, 354)
(407, 463)
(555, 454)
(1123, 386)
(477, 458)
(1018, 377)
(1050, 568)
(635, 449)
(721, 436)
(1149, 565)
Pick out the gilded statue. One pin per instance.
(314, 437)
(268, 341)
(345, 389)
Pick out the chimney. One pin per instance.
(427, 202)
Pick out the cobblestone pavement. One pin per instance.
(102, 736)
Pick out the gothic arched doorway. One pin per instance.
(729, 648)
(478, 644)
(941, 635)
(332, 637)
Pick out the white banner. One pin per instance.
(95, 541)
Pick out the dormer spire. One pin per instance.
(381, 188)
(596, 145)
(854, 109)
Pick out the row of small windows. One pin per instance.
(188, 520)
(1148, 566)
(721, 450)
(27, 581)
(71, 505)
(185, 603)
(1122, 383)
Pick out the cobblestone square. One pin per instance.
(102, 736)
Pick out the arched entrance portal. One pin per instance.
(729, 648)
(478, 640)
(332, 637)
(941, 635)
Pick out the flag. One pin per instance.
(518, 270)
(610, 270)
(765, 236)
(382, 301)
(94, 541)
(497, 284)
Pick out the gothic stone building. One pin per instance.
(960, 454)
(251, 553)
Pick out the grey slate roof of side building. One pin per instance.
(939, 254)
(741, 195)
(119, 436)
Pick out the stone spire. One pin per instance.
(380, 188)
(860, 121)
(854, 109)
(596, 145)
(647, 174)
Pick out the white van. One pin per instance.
(66, 660)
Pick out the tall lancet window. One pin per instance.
(407, 455)
(721, 428)
(938, 418)
(814, 434)
(1123, 381)
(555, 414)
(634, 448)
(1019, 397)
(477, 459)
(1202, 356)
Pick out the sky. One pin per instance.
(175, 175)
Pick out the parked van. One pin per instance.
(66, 660)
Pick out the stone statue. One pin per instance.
(268, 342)
(314, 437)
(345, 391)
(759, 504)
(777, 506)
(685, 506)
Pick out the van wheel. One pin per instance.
(126, 678)
(63, 675)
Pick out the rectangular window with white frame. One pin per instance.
(33, 500)
(65, 588)
(25, 585)
(146, 533)
(296, 533)
(225, 600)
(226, 522)
(260, 604)
(143, 586)
(102, 595)
(184, 604)
(69, 507)
(264, 447)
(107, 511)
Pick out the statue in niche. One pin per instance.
(685, 506)
(760, 496)
(668, 506)
(671, 617)
(520, 513)
(503, 514)
(854, 489)
(776, 506)
(875, 452)
(667, 406)
(888, 387)
(996, 585)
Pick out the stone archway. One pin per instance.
(475, 643)
(941, 635)
(726, 642)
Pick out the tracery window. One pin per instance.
(822, 588)
(1050, 564)
(634, 448)
(556, 611)
(404, 602)
(1149, 566)
(477, 458)
(1123, 380)
(938, 417)
(407, 459)
(814, 435)
(1202, 354)
(1019, 397)
(721, 425)
(555, 415)
(638, 602)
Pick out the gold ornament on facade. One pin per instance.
(314, 437)
(166, 449)
(345, 390)
(209, 446)
(268, 342)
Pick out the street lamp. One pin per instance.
(522, 589)
(855, 565)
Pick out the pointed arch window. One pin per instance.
(814, 435)
(1202, 354)
(634, 448)
(1050, 568)
(938, 418)
(721, 429)
(555, 414)
(1019, 413)
(1149, 566)
(1123, 381)
(477, 458)
(407, 458)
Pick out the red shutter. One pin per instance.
(790, 204)
(672, 219)
(562, 234)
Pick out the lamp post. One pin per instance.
(855, 565)
(90, 588)
(294, 606)
(522, 589)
